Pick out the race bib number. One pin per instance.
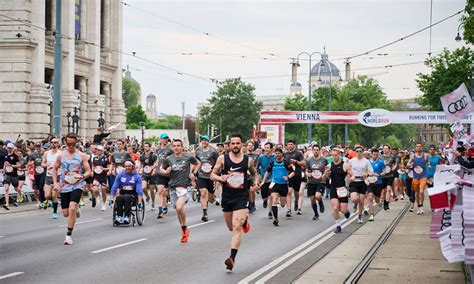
(9, 169)
(182, 192)
(206, 168)
(410, 174)
(342, 192)
(236, 180)
(21, 173)
(373, 179)
(98, 170)
(128, 188)
(70, 178)
(387, 169)
(147, 169)
(418, 169)
(39, 169)
(316, 174)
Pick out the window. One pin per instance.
(48, 15)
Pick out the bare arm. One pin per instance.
(217, 170)
(86, 166)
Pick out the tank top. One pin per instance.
(338, 175)
(419, 166)
(279, 170)
(50, 160)
(70, 167)
(237, 184)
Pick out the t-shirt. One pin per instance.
(360, 167)
(11, 160)
(388, 161)
(296, 155)
(99, 164)
(162, 153)
(147, 160)
(37, 159)
(208, 159)
(378, 167)
(279, 170)
(3, 153)
(180, 169)
(434, 160)
(263, 162)
(128, 184)
(317, 166)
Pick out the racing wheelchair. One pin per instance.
(137, 214)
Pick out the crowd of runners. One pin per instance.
(114, 174)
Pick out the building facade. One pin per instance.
(91, 72)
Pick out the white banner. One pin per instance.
(457, 104)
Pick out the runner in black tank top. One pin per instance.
(339, 193)
(231, 170)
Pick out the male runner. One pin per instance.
(49, 159)
(117, 160)
(74, 168)
(420, 163)
(36, 159)
(254, 156)
(262, 165)
(434, 159)
(281, 171)
(148, 172)
(296, 158)
(182, 168)
(235, 167)
(361, 168)
(10, 167)
(100, 165)
(375, 182)
(162, 180)
(316, 171)
(387, 175)
(207, 155)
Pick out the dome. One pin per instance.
(326, 69)
(295, 84)
(150, 96)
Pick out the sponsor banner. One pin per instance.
(457, 104)
(370, 117)
(274, 133)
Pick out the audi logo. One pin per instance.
(458, 105)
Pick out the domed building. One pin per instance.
(150, 109)
(324, 73)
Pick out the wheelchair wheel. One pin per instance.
(113, 216)
(140, 214)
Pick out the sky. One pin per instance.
(179, 45)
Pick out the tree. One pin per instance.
(135, 115)
(131, 92)
(449, 70)
(169, 122)
(233, 108)
(468, 22)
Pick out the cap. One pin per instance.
(205, 137)
(38, 145)
(164, 136)
(220, 144)
(10, 145)
(100, 148)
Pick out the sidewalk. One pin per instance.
(407, 256)
(24, 207)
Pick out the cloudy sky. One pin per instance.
(256, 39)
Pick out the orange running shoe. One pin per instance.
(246, 226)
(185, 236)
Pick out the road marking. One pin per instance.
(119, 246)
(299, 255)
(10, 275)
(290, 253)
(83, 222)
(2, 236)
(203, 223)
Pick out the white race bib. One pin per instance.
(387, 169)
(147, 169)
(98, 169)
(342, 192)
(206, 168)
(182, 192)
(9, 169)
(21, 173)
(410, 174)
(70, 178)
(316, 174)
(39, 169)
(236, 180)
(418, 169)
(127, 187)
(373, 179)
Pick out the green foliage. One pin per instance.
(449, 70)
(232, 106)
(135, 115)
(359, 94)
(131, 92)
(391, 140)
(170, 122)
(467, 21)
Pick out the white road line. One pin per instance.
(298, 256)
(119, 246)
(290, 253)
(83, 222)
(2, 236)
(203, 223)
(10, 275)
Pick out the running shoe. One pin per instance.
(185, 236)
(252, 209)
(217, 203)
(20, 198)
(16, 203)
(421, 210)
(165, 211)
(229, 264)
(347, 215)
(6, 207)
(160, 216)
(270, 215)
(68, 240)
(78, 213)
(316, 217)
(265, 203)
(118, 219)
(401, 197)
(55, 215)
(275, 222)
(412, 210)
(371, 217)
(299, 212)
(204, 218)
(418, 212)
(359, 219)
(296, 205)
(44, 205)
(81, 203)
(321, 206)
(288, 213)
(246, 227)
(152, 207)
(104, 207)
(94, 201)
(338, 229)
(126, 219)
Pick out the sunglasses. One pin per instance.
(358, 151)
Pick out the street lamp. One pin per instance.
(458, 37)
(142, 126)
(310, 130)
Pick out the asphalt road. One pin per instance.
(32, 243)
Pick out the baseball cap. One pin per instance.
(205, 137)
(10, 145)
(100, 148)
(164, 136)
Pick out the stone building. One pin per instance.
(150, 109)
(91, 67)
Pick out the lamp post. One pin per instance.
(458, 37)
(310, 129)
(330, 102)
(142, 126)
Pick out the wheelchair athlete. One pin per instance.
(128, 185)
